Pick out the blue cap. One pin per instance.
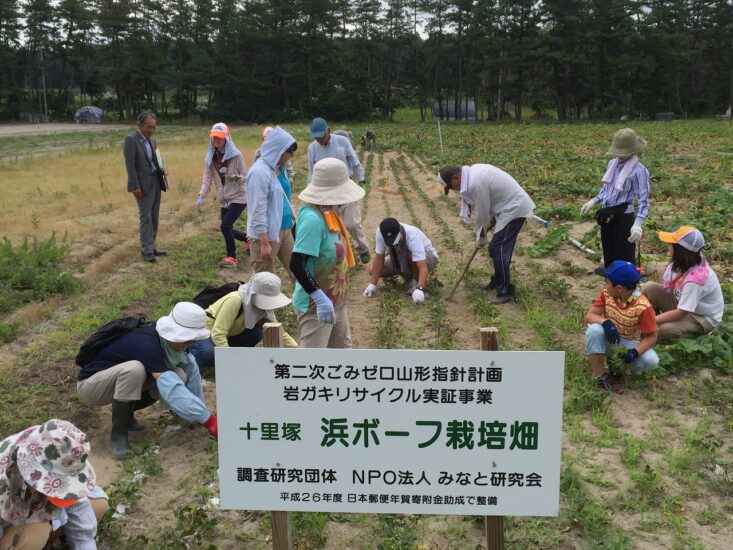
(621, 273)
(318, 127)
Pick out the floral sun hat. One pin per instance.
(48, 460)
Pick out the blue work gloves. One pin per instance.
(199, 202)
(612, 335)
(324, 307)
(631, 355)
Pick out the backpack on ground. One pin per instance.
(211, 294)
(105, 335)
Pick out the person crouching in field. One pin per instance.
(235, 320)
(626, 179)
(402, 249)
(322, 257)
(620, 315)
(48, 486)
(689, 298)
(225, 166)
(148, 363)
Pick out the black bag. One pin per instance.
(211, 294)
(105, 335)
(611, 215)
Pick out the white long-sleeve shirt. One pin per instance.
(340, 148)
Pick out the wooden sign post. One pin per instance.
(493, 525)
(282, 532)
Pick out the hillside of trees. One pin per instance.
(254, 60)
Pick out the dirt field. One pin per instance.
(55, 128)
(100, 219)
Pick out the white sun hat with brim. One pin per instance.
(186, 323)
(260, 296)
(330, 185)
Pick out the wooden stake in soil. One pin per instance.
(493, 525)
(282, 533)
(465, 270)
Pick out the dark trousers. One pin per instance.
(615, 243)
(149, 209)
(228, 217)
(203, 350)
(501, 249)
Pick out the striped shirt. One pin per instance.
(635, 186)
(633, 319)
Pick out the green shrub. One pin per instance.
(32, 271)
(8, 331)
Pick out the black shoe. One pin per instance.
(119, 445)
(150, 259)
(157, 252)
(491, 285)
(501, 299)
(145, 401)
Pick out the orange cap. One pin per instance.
(62, 502)
(219, 130)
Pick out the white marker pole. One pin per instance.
(440, 136)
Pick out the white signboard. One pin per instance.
(390, 431)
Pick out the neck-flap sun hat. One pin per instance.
(390, 230)
(52, 458)
(219, 130)
(620, 273)
(260, 296)
(626, 143)
(330, 185)
(687, 237)
(186, 323)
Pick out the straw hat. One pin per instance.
(626, 143)
(330, 185)
(186, 323)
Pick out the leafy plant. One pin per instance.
(549, 243)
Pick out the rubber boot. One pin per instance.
(118, 441)
(145, 401)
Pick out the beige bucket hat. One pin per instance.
(626, 143)
(330, 185)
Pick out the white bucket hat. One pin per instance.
(330, 185)
(186, 322)
(260, 296)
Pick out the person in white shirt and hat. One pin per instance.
(322, 257)
(402, 249)
(148, 363)
(47, 482)
(235, 320)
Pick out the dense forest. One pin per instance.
(255, 60)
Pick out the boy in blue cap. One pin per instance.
(620, 315)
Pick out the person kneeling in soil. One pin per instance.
(402, 249)
(689, 298)
(48, 488)
(235, 320)
(146, 364)
(621, 316)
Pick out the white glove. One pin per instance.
(199, 202)
(636, 233)
(588, 206)
(369, 290)
(481, 240)
(418, 296)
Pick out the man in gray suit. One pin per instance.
(145, 180)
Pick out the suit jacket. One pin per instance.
(138, 165)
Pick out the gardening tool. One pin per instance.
(540, 220)
(465, 270)
(579, 246)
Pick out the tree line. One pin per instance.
(255, 60)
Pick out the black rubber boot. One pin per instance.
(118, 442)
(145, 401)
